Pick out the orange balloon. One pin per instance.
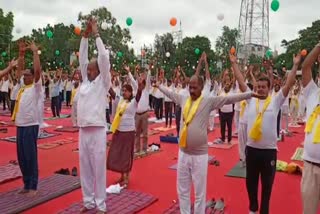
(77, 31)
(77, 53)
(143, 53)
(173, 22)
(232, 50)
(304, 52)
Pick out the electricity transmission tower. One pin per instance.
(177, 35)
(253, 28)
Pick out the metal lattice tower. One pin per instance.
(253, 28)
(177, 35)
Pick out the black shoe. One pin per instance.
(60, 171)
(74, 171)
(66, 171)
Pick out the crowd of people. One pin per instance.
(101, 100)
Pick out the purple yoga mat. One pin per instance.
(127, 202)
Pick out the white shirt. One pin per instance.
(5, 86)
(14, 92)
(127, 122)
(237, 90)
(91, 103)
(227, 108)
(311, 151)
(63, 83)
(206, 88)
(143, 104)
(158, 94)
(167, 99)
(69, 86)
(269, 123)
(27, 114)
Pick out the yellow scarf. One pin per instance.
(295, 101)
(73, 94)
(16, 107)
(122, 106)
(243, 105)
(188, 114)
(256, 130)
(310, 123)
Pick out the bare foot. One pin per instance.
(23, 191)
(32, 193)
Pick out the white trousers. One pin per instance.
(192, 169)
(211, 120)
(310, 188)
(74, 114)
(242, 138)
(92, 151)
(236, 120)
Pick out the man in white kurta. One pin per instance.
(92, 122)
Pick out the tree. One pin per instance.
(188, 59)
(6, 26)
(307, 39)
(229, 38)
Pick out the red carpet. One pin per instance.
(151, 174)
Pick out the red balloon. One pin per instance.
(173, 22)
(77, 31)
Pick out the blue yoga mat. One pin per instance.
(169, 139)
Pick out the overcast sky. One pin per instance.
(198, 17)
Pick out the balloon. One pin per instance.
(168, 54)
(104, 26)
(304, 52)
(193, 67)
(3, 54)
(129, 21)
(77, 53)
(95, 52)
(143, 53)
(18, 30)
(220, 17)
(269, 53)
(77, 31)
(49, 34)
(232, 50)
(275, 4)
(173, 22)
(197, 51)
(119, 54)
(57, 52)
(39, 52)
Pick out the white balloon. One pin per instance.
(193, 67)
(104, 26)
(18, 30)
(220, 17)
(168, 54)
(95, 52)
(39, 52)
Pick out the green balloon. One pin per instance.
(197, 51)
(4, 54)
(119, 54)
(129, 21)
(269, 53)
(275, 4)
(49, 34)
(57, 52)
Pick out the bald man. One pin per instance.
(91, 118)
(193, 152)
